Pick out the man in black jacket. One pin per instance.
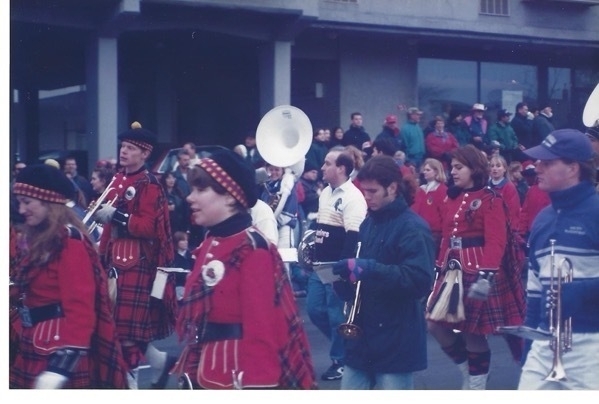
(522, 125)
(542, 125)
(393, 273)
(356, 135)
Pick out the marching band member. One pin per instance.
(136, 239)
(474, 240)
(565, 169)
(341, 210)
(238, 317)
(428, 201)
(395, 269)
(65, 332)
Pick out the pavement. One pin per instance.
(441, 373)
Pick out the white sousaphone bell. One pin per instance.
(590, 114)
(283, 138)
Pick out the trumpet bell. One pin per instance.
(349, 331)
(284, 136)
(305, 250)
(557, 374)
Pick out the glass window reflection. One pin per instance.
(445, 85)
(503, 85)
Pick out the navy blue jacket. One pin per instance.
(400, 246)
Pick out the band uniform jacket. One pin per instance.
(74, 282)
(428, 203)
(238, 313)
(478, 217)
(136, 249)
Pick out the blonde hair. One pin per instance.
(44, 243)
(499, 158)
(437, 167)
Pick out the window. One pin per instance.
(559, 87)
(454, 85)
(503, 85)
(446, 85)
(494, 7)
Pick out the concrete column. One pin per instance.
(102, 98)
(275, 75)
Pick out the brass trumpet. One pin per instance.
(95, 205)
(348, 329)
(560, 328)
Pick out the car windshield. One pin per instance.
(169, 160)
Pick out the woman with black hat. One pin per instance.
(67, 336)
(478, 286)
(238, 317)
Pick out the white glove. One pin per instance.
(104, 213)
(312, 215)
(481, 288)
(50, 380)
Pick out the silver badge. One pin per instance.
(129, 193)
(475, 204)
(213, 272)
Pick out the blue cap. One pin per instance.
(563, 143)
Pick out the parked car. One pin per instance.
(168, 159)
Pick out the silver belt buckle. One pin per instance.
(455, 243)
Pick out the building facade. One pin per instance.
(207, 70)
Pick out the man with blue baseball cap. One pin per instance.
(564, 235)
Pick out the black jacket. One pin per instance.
(523, 128)
(391, 312)
(355, 136)
(541, 127)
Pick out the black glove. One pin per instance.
(481, 288)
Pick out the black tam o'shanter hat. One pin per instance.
(139, 136)
(45, 182)
(234, 174)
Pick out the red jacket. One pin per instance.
(509, 193)
(74, 280)
(136, 250)
(438, 146)
(240, 281)
(474, 214)
(535, 200)
(429, 205)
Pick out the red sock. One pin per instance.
(479, 363)
(456, 351)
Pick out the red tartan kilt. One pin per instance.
(29, 364)
(188, 363)
(138, 316)
(483, 317)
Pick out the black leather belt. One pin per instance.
(30, 316)
(466, 242)
(220, 332)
